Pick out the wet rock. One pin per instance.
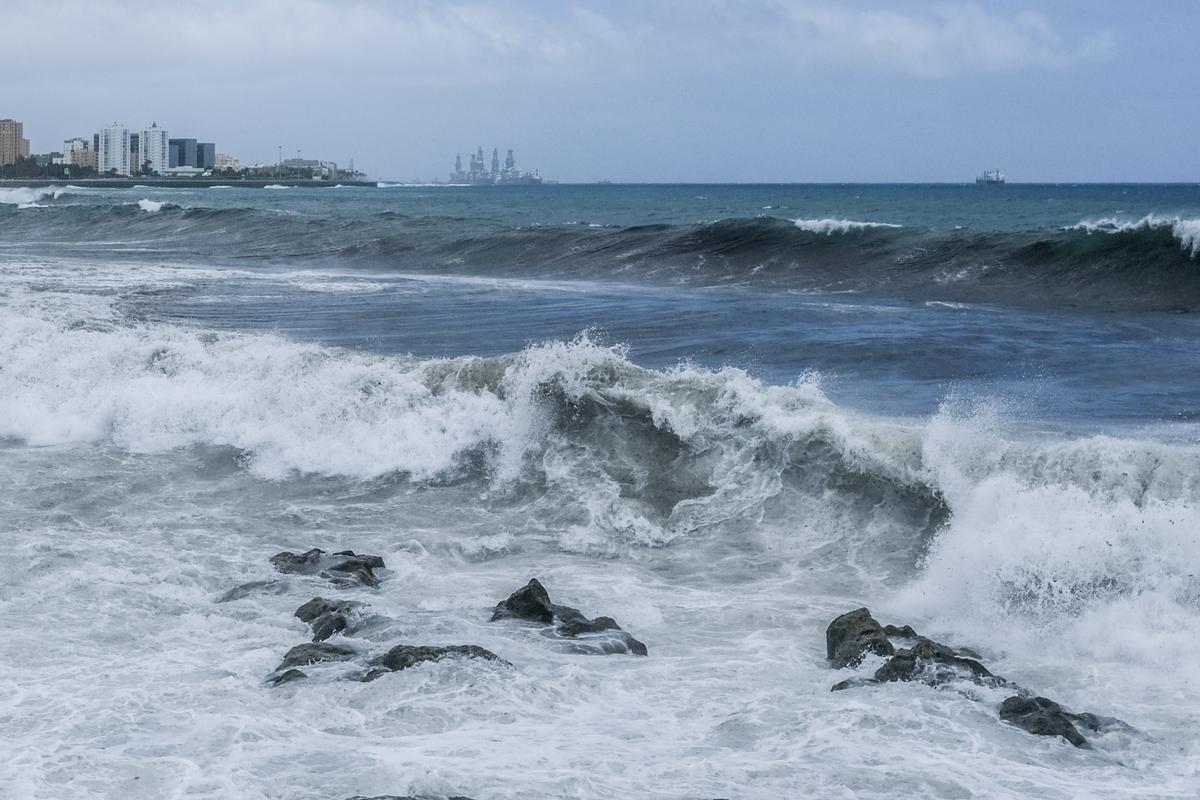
(253, 587)
(852, 635)
(302, 563)
(905, 632)
(286, 677)
(934, 664)
(599, 636)
(344, 568)
(530, 602)
(311, 653)
(403, 656)
(1043, 717)
(327, 617)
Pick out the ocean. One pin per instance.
(720, 415)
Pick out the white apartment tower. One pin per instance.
(154, 150)
(112, 156)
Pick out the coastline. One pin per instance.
(172, 183)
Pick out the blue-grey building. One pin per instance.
(206, 155)
(183, 152)
(190, 153)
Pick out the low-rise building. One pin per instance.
(78, 152)
(224, 162)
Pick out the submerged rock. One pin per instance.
(253, 587)
(852, 635)
(280, 678)
(327, 617)
(403, 656)
(599, 636)
(934, 664)
(1043, 717)
(343, 568)
(311, 653)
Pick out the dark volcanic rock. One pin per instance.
(403, 656)
(253, 587)
(905, 632)
(286, 677)
(852, 635)
(934, 664)
(327, 617)
(530, 602)
(343, 568)
(1043, 717)
(311, 653)
(302, 563)
(599, 636)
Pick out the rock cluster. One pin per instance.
(855, 634)
(599, 636)
(344, 568)
(329, 617)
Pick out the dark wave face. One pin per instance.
(1148, 263)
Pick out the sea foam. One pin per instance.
(1186, 230)
(843, 226)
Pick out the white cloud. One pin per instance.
(946, 40)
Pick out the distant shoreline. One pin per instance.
(173, 183)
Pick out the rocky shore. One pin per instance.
(853, 636)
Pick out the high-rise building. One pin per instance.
(190, 153)
(112, 150)
(154, 154)
(13, 144)
(183, 152)
(206, 155)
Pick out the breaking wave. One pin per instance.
(830, 226)
(601, 455)
(1152, 263)
(1186, 231)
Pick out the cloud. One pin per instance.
(945, 41)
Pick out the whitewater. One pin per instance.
(720, 429)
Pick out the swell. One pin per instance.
(1146, 264)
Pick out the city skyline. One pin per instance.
(777, 90)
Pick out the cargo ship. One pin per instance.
(990, 176)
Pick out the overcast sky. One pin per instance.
(695, 90)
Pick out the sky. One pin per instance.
(631, 90)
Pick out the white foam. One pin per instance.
(149, 206)
(830, 226)
(26, 197)
(1186, 230)
(278, 186)
(1067, 561)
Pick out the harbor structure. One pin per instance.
(13, 144)
(478, 172)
